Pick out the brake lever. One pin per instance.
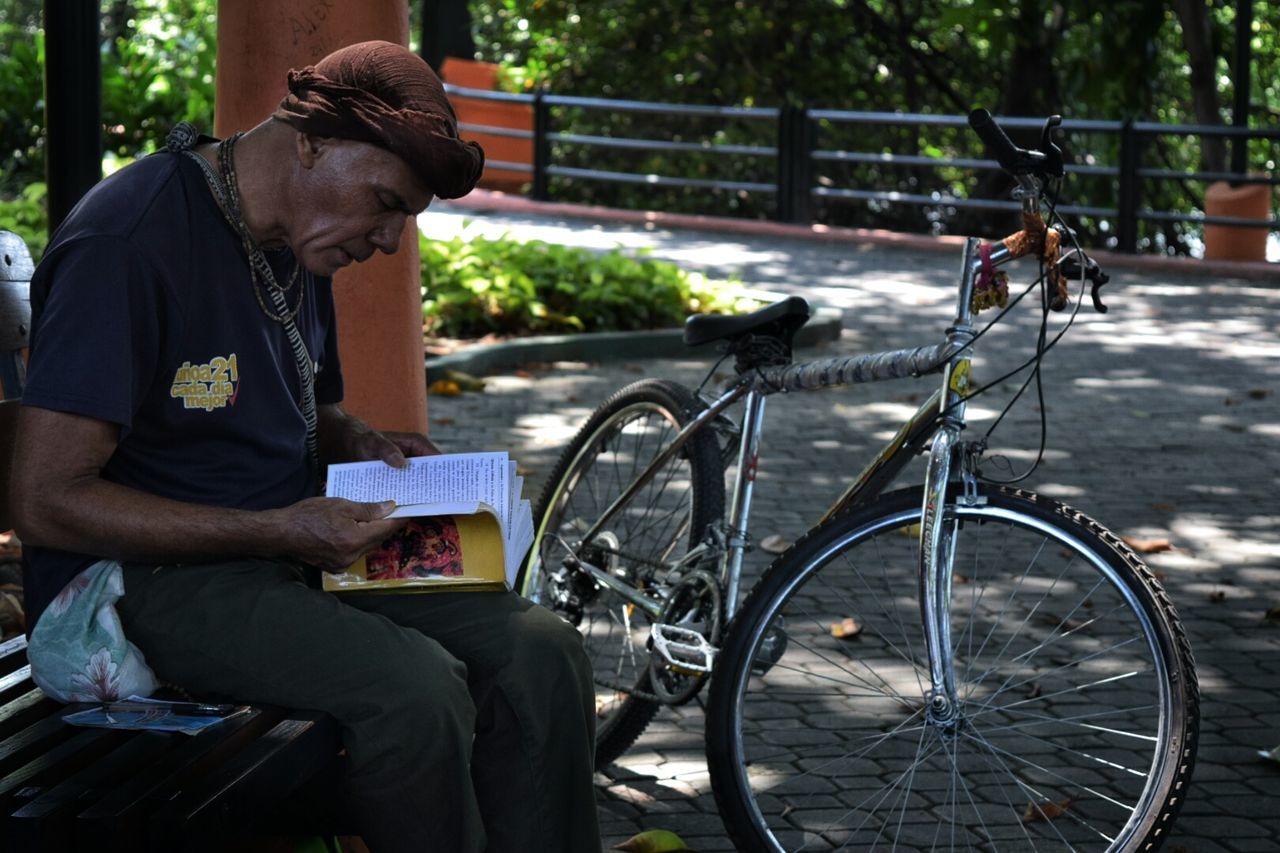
(1101, 279)
(1075, 265)
(1052, 153)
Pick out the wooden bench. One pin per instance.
(254, 781)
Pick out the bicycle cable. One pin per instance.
(1043, 345)
(697, 392)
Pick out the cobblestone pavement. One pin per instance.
(1164, 422)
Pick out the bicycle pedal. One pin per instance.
(686, 652)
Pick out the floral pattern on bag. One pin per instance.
(78, 651)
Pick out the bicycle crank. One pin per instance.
(683, 642)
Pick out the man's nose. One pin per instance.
(386, 237)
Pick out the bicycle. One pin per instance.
(958, 664)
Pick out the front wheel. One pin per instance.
(639, 546)
(1078, 706)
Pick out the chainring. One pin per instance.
(694, 603)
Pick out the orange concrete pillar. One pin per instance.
(378, 302)
(1236, 242)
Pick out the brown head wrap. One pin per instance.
(384, 94)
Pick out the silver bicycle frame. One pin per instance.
(936, 540)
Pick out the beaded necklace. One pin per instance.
(226, 189)
(225, 186)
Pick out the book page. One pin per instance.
(447, 478)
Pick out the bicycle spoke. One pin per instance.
(1043, 798)
(1062, 739)
(1022, 785)
(887, 692)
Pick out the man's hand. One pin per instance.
(390, 447)
(332, 533)
(346, 438)
(65, 503)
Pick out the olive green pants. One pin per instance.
(468, 718)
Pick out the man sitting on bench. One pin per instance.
(183, 394)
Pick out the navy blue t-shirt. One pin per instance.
(144, 315)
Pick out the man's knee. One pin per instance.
(551, 651)
(415, 698)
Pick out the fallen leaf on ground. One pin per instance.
(1273, 615)
(1257, 393)
(912, 530)
(1147, 546)
(846, 628)
(1218, 595)
(444, 388)
(443, 421)
(1164, 507)
(774, 544)
(653, 841)
(1036, 812)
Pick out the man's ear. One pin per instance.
(310, 148)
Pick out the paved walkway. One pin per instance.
(1164, 424)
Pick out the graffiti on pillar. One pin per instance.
(308, 27)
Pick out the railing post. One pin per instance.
(541, 144)
(795, 172)
(1129, 189)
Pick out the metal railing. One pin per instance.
(799, 151)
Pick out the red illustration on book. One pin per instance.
(425, 547)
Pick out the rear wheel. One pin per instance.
(1078, 707)
(638, 546)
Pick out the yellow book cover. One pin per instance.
(471, 528)
(432, 552)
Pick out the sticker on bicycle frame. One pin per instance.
(960, 378)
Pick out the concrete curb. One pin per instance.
(480, 201)
(478, 359)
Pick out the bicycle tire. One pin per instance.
(661, 523)
(1061, 637)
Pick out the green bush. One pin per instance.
(26, 217)
(477, 287)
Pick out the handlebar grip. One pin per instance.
(998, 144)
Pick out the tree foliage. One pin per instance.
(1151, 60)
(157, 69)
(1095, 59)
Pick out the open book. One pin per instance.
(468, 528)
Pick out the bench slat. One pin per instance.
(41, 824)
(41, 735)
(22, 710)
(84, 747)
(126, 807)
(253, 784)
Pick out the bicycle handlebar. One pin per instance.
(1029, 168)
(1045, 163)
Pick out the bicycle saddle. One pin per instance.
(780, 320)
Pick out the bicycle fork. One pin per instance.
(937, 552)
(937, 531)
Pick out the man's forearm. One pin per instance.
(110, 520)
(60, 500)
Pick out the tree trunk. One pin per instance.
(1194, 17)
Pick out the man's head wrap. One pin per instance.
(383, 94)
